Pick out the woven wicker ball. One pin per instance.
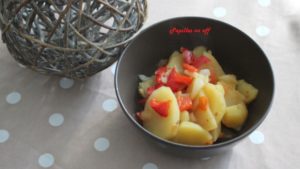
(72, 38)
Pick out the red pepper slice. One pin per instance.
(189, 67)
(199, 61)
(160, 107)
(177, 81)
(159, 73)
(184, 102)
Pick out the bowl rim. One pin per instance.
(179, 145)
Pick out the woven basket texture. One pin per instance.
(71, 38)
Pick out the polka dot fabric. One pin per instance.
(60, 123)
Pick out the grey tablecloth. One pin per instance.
(58, 123)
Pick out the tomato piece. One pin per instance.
(177, 81)
(189, 67)
(184, 102)
(160, 107)
(203, 103)
(199, 61)
(159, 74)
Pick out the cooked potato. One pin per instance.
(164, 127)
(144, 85)
(192, 134)
(206, 119)
(248, 90)
(233, 97)
(195, 87)
(235, 116)
(216, 132)
(214, 64)
(192, 117)
(184, 116)
(176, 61)
(229, 80)
(216, 100)
(198, 51)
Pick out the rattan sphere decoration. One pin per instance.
(71, 38)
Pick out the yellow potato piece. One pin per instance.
(176, 61)
(229, 79)
(199, 50)
(195, 87)
(192, 134)
(231, 95)
(206, 119)
(214, 64)
(235, 116)
(216, 100)
(216, 132)
(184, 116)
(192, 117)
(248, 90)
(164, 127)
(143, 86)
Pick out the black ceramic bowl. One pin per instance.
(235, 51)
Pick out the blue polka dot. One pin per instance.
(46, 160)
(257, 137)
(219, 12)
(101, 144)
(262, 31)
(66, 83)
(264, 3)
(13, 98)
(56, 119)
(150, 166)
(4, 135)
(109, 105)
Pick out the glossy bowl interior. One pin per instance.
(235, 51)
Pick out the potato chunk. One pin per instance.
(235, 116)
(216, 100)
(195, 87)
(164, 127)
(229, 79)
(176, 61)
(248, 90)
(192, 134)
(216, 132)
(199, 50)
(206, 119)
(214, 64)
(184, 116)
(144, 85)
